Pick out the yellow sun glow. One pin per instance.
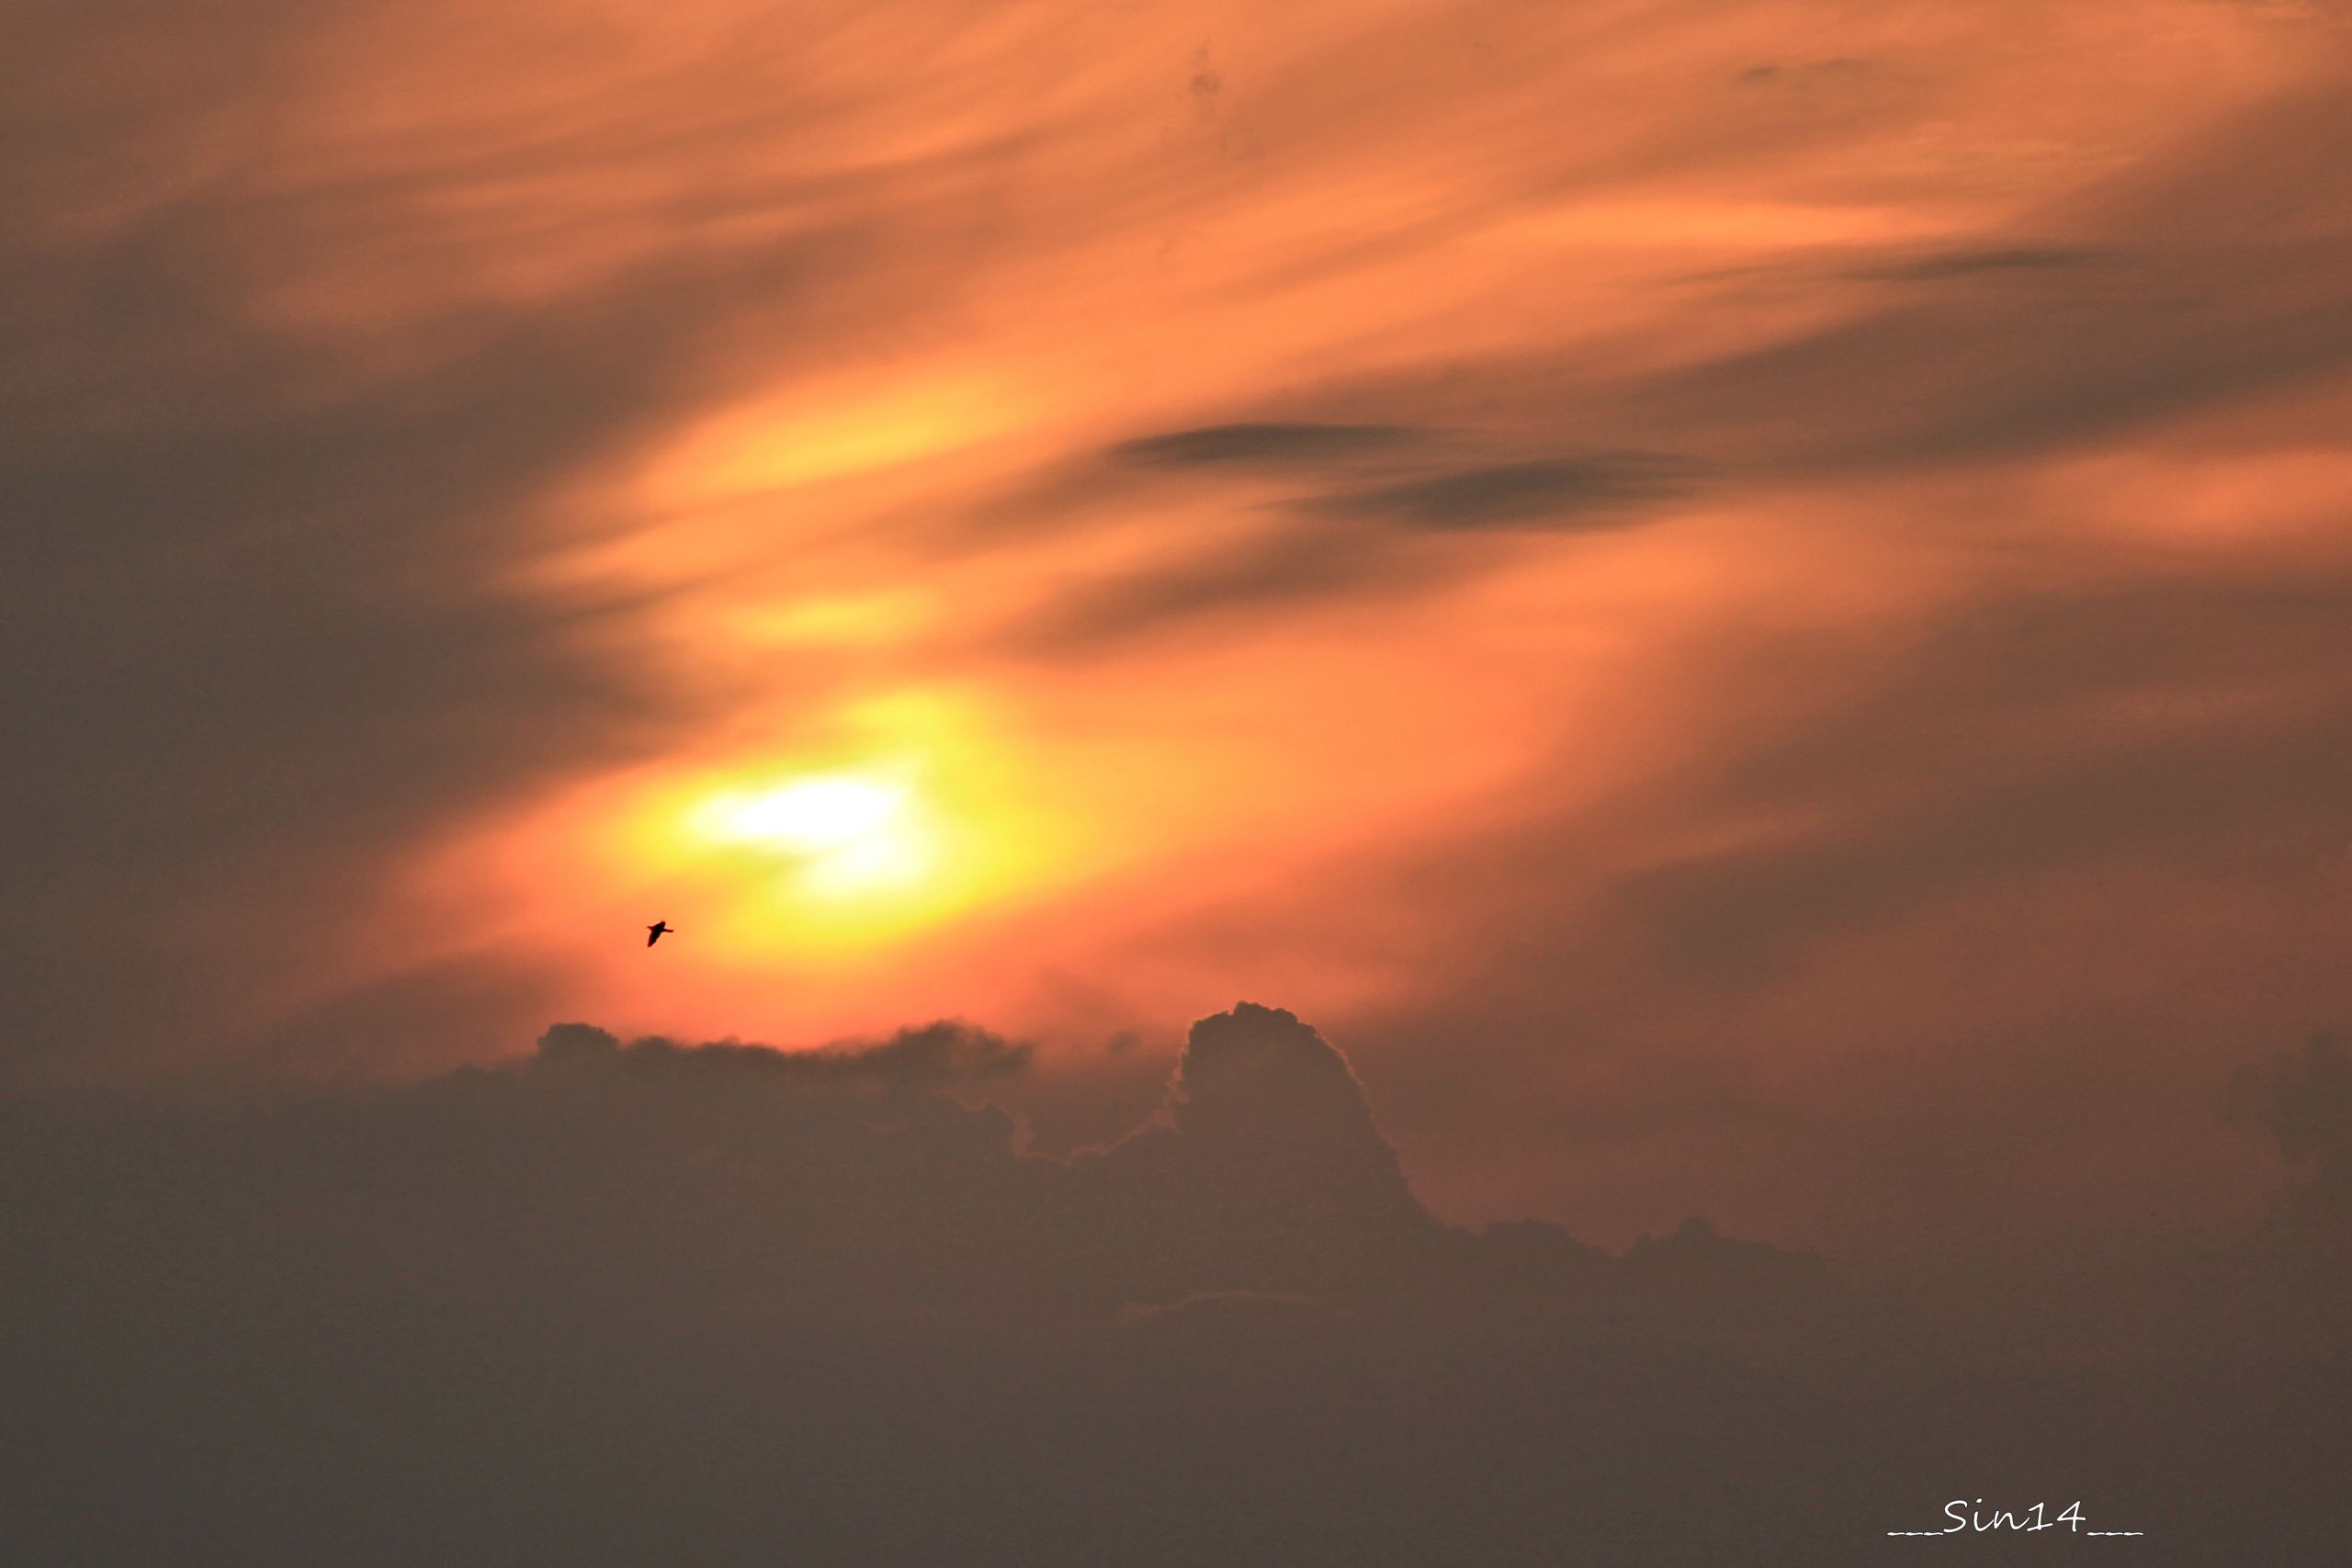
(916, 814)
(845, 834)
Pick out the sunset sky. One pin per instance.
(1749, 603)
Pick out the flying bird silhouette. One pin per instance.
(655, 931)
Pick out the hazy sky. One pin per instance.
(1749, 604)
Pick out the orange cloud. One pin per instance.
(1640, 513)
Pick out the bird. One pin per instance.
(655, 931)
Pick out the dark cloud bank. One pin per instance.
(681, 1304)
(1349, 512)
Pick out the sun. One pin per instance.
(838, 835)
(839, 853)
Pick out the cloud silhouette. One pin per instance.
(1941, 264)
(650, 1176)
(1269, 443)
(1357, 514)
(649, 1302)
(1560, 493)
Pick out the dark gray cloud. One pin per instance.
(1269, 443)
(1358, 512)
(1941, 264)
(1555, 493)
(638, 1304)
(1797, 72)
(867, 1175)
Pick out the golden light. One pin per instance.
(844, 429)
(835, 855)
(846, 834)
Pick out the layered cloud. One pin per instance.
(1759, 576)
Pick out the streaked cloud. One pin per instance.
(1630, 513)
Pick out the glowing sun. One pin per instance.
(844, 834)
